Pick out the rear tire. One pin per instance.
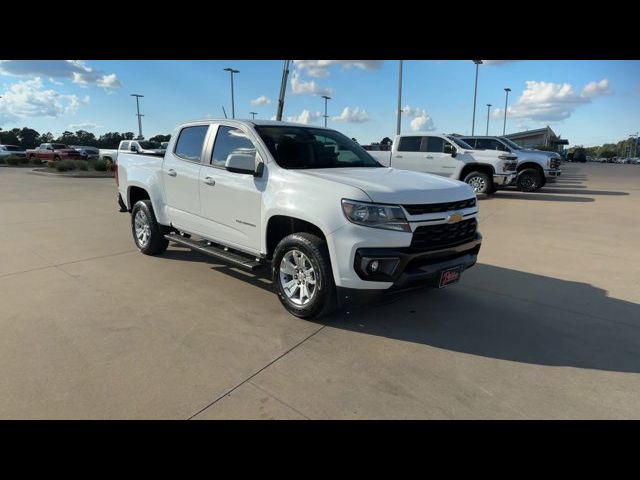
(147, 232)
(480, 182)
(530, 180)
(302, 276)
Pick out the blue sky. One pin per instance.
(588, 102)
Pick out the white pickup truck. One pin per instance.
(334, 225)
(448, 156)
(535, 167)
(136, 146)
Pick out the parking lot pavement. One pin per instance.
(547, 325)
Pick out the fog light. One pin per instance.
(373, 266)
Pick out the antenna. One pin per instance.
(225, 113)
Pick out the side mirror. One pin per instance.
(450, 149)
(241, 163)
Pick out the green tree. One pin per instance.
(160, 138)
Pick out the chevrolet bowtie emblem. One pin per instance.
(454, 217)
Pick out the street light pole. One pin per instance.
(233, 107)
(506, 100)
(253, 115)
(399, 99)
(325, 109)
(138, 96)
(488, 110)
(475, 95)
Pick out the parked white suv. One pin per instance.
(448, 156)
(332, 222)
(535, 167)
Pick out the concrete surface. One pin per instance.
(547, 325)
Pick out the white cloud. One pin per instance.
(83, 126)
(421, 120)
(75, 70)
(353, 115)
(306, 117)
(550, 102)
(311, 87)
(320, 68)
(261, 100)
(596, 89)
(29, 99)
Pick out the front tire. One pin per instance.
(302, 276)
(530, 180)
(480, 182)
(147, 232)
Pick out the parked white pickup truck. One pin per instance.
(332, 223)
(535, 167)
(136, 146)
(449, 156)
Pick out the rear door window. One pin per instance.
(409, 144)
(190, 142)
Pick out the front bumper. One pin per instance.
(410, 268)
(504, 179)
(552, 173)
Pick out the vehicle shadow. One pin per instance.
(514, 194)
(494, 312)
(521, 317)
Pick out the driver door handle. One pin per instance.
(428, 156)
(171, 172)
(398, 156)
(209, 181)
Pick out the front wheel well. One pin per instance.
(136, 194)
(280, 226)
(527, 165)
(476, 167)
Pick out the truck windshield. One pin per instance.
(307, 147)
(513, 145)
(460, 143)
(149, 145)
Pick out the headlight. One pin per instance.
(389, 217)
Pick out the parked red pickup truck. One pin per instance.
(53, 151)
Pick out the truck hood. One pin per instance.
(389, 185)
(539, 153)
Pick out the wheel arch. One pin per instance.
(476, 167)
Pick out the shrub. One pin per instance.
(100, 166)
(2, 161)
(51, 164)
(65, 165)
(81, 165)
(35, 161)
(13, 161)
(24, 160)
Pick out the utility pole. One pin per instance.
(488, 110)
(325, 109)
(475, 95)
(233, 107)
(506, 100)
(283, 89)
(138, 96)
(398, 126)
(253, 115)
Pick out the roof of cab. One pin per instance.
(256, 122)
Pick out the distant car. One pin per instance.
(53, 151)
(87, 152)
(7, 151)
